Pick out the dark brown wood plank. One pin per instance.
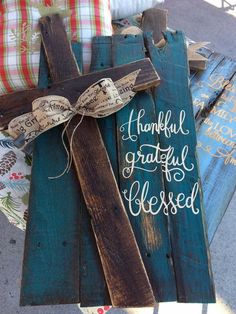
(93, 288)
(88, 257)
(61, 67)
(155, 20)
(124, 270)
(15, 104)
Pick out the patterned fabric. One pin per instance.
(19, 66)
(19, 53)
(15, 168)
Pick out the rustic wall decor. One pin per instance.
(115, 240)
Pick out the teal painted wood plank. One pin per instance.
(151, 231)
(187, 230)
(217, 156)
(51, 259)
(206, 86)
(210, 99)
(93, 288)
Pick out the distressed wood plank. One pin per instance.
(151, 231)
(190, 250)
(215, 106)
(124, 271)
(114, 236)
(51, 258)
(93, 288)
(102, 59)
(155, 20)
(205, 52)
(15, 104)
(217, 157)
(206, 87)
(90, 268)
(208, 90)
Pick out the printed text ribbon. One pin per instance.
(100, 100)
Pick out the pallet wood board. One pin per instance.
(53, 231)
(214, 106)
(206, 87)
(119, 254)
(151, 231)
(155, 20)
(218, 66)
(190, 249)
(93, 288)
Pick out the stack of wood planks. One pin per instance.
(165, 261)
(82, 244)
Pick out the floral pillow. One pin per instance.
(19, 65)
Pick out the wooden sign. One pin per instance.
(155, 247)
(155, 20)
(190, 251)
(214, 99)
(120, 257)
(151, 231)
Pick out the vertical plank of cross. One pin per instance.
(125, 274)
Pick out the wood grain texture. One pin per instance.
(214, 100)
(151, 231)
(51, 268)
(15, 104)
(91, 274)
(93, 287)
(217, 158)
(205, 88)
(155, 20)
(124, 271)
(190, 249)
(61, 68)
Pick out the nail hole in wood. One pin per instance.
(167, 255)
(148, 254)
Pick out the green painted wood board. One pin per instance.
(51, 257)
(88, 264)
(218, 161)
(58, 273)
(190, 249)
(216, 105)
(151, 231)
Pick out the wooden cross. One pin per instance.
(119, 253)
(18, 103)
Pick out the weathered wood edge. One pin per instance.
(18, 103)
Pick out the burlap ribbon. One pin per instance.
(100, 100)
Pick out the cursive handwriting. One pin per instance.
(163, 156)
(135, 126)
(137, 197)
